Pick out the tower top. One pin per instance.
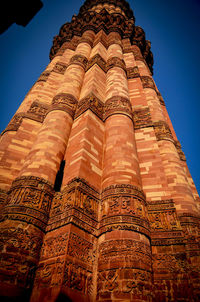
(109, 16)
(122, 4)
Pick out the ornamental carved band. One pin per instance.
(3, 196)
(117, 105)
(133, 72)
(114, 23)
(124, 208)
(36, 112)
(162, 131)
(60, 68)
(162, 216)
(142, 118)
(44, 76)
(77, 204)
(97, 59)
(21, 249)
(116, 62)
(179, 150)
(90, 102)
(86, 40)
(15, 123)
(148, 82)
(79, 60)
(30, 200)
(80, 195)
(64, 102)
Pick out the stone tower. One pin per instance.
(97, 200)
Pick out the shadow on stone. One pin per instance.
(63, 298)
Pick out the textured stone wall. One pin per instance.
(125, 224)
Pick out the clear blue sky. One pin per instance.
(172, 26)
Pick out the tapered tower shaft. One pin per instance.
(97, 200)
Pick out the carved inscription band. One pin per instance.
(124, 208)
(29, 200)
(64, 102)
(77, 204)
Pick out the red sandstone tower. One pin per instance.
(97, 200)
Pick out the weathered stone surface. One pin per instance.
(124, 222)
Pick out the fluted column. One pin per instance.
(31, 193)
(69, 235)
(181, 202)
(124, 247)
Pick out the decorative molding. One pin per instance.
(116, 62)
(179, 150)
(125, 7)
(77, 204)
(29, 199)
(15, 123)
(60, 68)
(54, 245)
(129, 252)
(97, 59)
(90, 102)
(133, 72)
(86, 40)
(115, 23)
(124, 222)
(148, 82)
(161, 100)
(65, 102)
(142, 118)
(37, 111)
(44, 76)
(20, 249)
(123, 189)
(116, 105)
(78, 277)
(79, 194)
(49, 273)
(123, 207)
(162, 131)
(81, 249)
(101, 39)
(79, 60)
(162, 215)
(3, 197)
(114, 37)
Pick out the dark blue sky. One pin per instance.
(172, 26)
